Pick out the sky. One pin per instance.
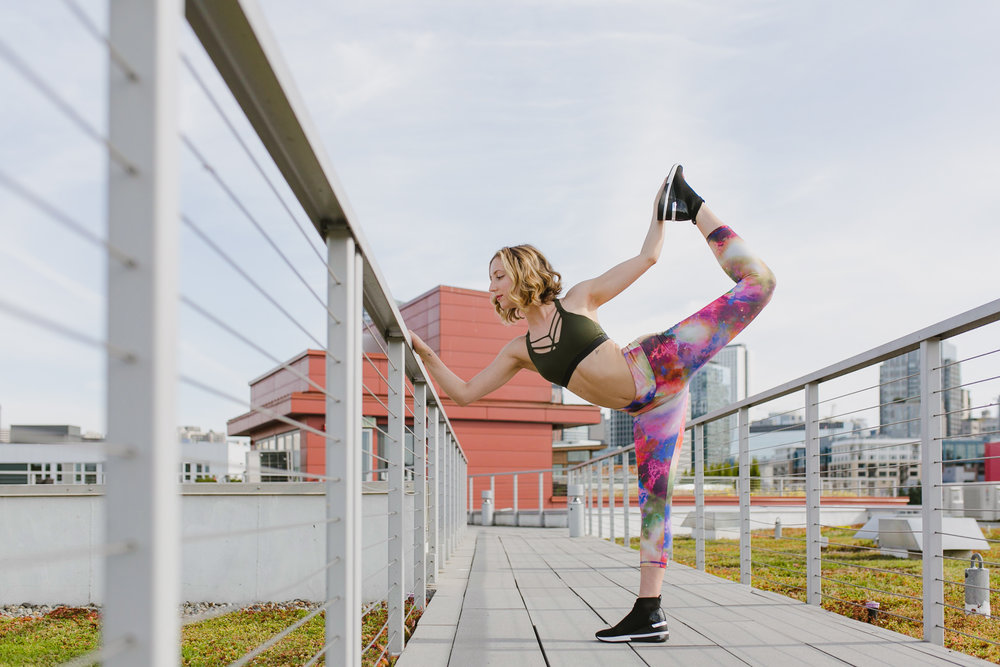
(853, 145)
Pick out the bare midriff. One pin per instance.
(603, 378)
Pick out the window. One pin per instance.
(9, 477)
(273, 461)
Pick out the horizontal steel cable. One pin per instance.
(378, 337)
(375, 638)
(386, 434)
(966, 634)
(65, 331)
(970, 409)
(384, 650)
(65, 220)
(99, 655)
(109, 549)
(326, 647)
(780, 553)
(873, 569)
(751, 450)
(873, 590)
(873, 448)
(965, 585)
(779, 583)
(379, 401)
(968, 612)
(783, 525)
(383, 571)
(861, 606)
(271, 595)
(978, 458)
(960, 361)
(375, 367)
(207, 166)
(281, 635)
(115, 55)
(988, 539)
(204, 537)
(874, 386)
(262, 469)
(190, 303)
(777, 567)
(968, 435)
(232, 128)
(64, 107)
(966, 384)
(257, 409)
(236, 267)
(377, 544)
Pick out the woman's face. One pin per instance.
(500, 284)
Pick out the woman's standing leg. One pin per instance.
(673, 357)
(665, 365)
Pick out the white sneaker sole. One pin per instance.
(661, 212)
(628, 638)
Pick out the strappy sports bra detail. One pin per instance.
(570, 339)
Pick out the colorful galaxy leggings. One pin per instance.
(663, 363)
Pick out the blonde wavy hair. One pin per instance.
(534, 280)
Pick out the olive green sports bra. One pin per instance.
(570, 339)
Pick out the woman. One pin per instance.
(647, 379)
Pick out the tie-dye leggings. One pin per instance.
(663, 363)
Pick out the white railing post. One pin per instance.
(590, 499)
(445, 495)
(931, 432)
(394, 452)
(451, 495)
(142, 585)
(743, 435)
(699, 496)
(611, 499)
(343, 432)
(471, 499)
(420, 493)
(541, 502)
(517, 520)
(456, 486)
(814, 563)
(600, 499)
(434, 494)
(625, 500)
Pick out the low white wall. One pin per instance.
(268, 565)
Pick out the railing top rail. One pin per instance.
(235, 35)
(949, 328)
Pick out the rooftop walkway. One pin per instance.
(531, 597)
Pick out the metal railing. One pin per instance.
(886, 459)
(152, 239)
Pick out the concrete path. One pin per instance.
(527, 597)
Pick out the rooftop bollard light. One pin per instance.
(486, 513)
(977, 587)
(777, 528)
(575, 510)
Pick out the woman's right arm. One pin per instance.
(491, 378)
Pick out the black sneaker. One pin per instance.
(645, 623)
(678, 201)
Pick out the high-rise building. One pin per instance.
(722, 381)
(619, 430)
(899, 394)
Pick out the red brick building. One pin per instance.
(510, 429)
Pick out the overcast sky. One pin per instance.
(854, 145)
